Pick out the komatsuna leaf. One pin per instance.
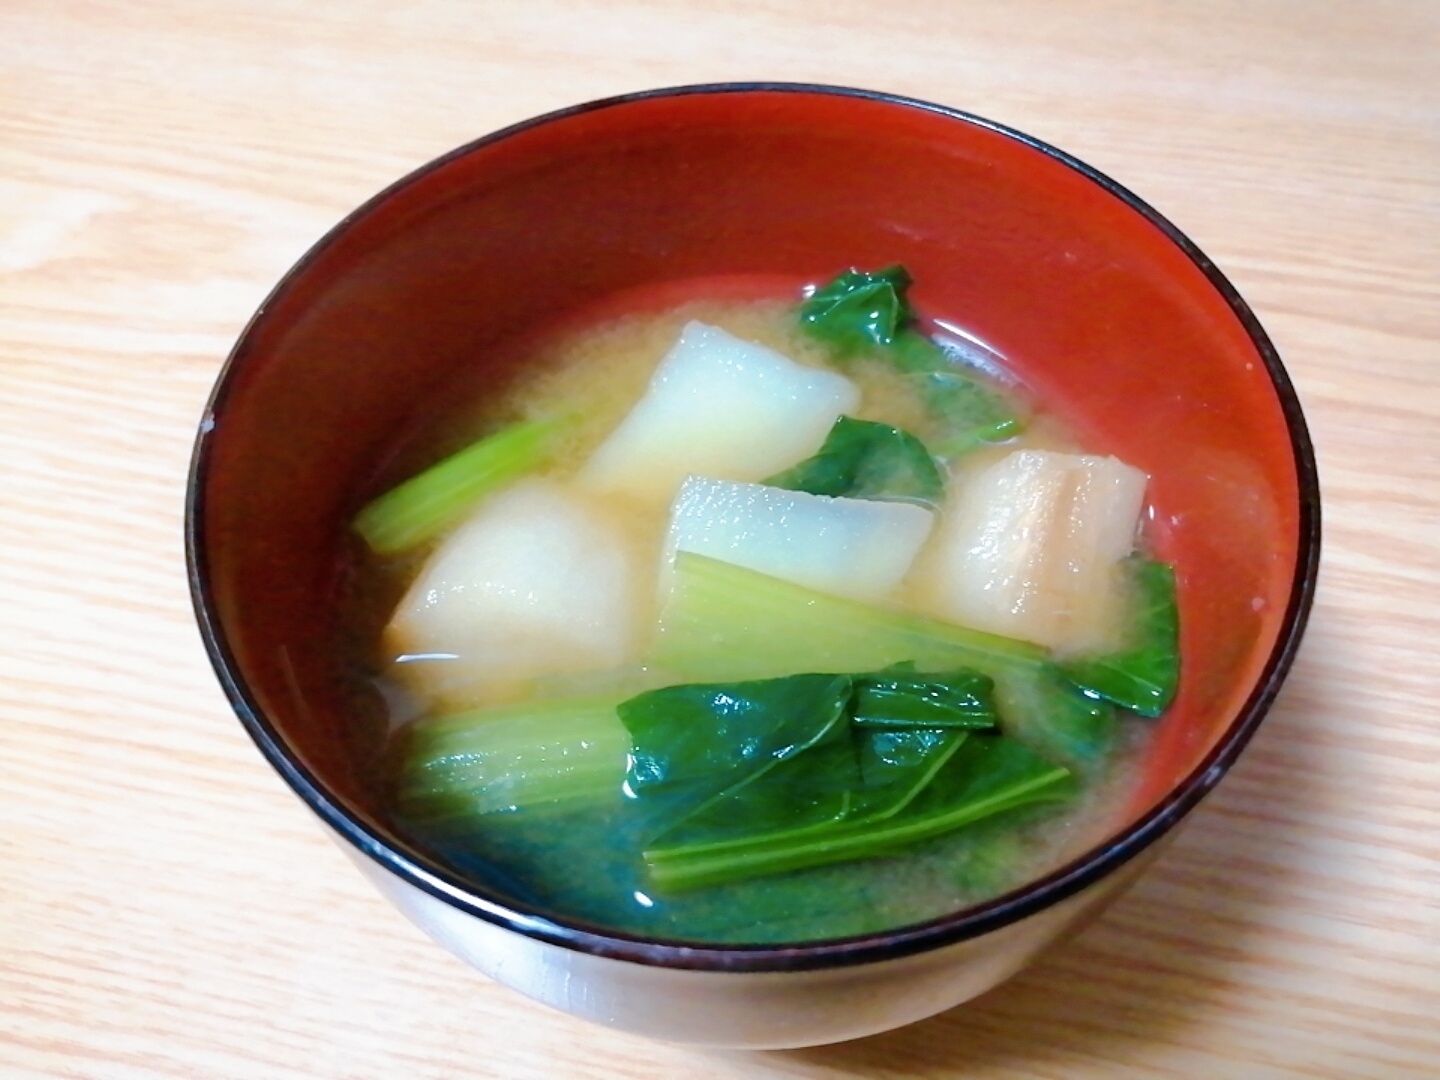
(971, 413)
(896, 765)
(693, 742)
(1044, 710)
(858, 309)
(900, 699)
(875, 777)
(865, 316)
(862, 459)
(723, 621)
(969, 410)
(980, 776)
(1142, 675)
(781, 750)
(813, 789)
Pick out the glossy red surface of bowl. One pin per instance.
(1110, 315)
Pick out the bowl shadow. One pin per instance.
(1167, 952)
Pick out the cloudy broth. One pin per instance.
(583, 865)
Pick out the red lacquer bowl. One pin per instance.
(1099, 304)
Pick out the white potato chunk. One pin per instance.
(722, 407)
(539, 582)
(1028, 547)
(847, 547)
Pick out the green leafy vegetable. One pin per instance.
(866, 316)
(1043, 710)
(432, 501)
(724, 622)
(762, 776)
(981, 775)
(504, 758)
(859, 309)
(862, 459)
(955, 699)
(812, 790)
(896, 765)
(767, 775)
(811, 795)
(1143, 673)
(692, 742)
(971, 412)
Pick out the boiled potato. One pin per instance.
(539, 582)
(721, 407)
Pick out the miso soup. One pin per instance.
(758, 621)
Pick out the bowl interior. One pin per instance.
(1091, 302)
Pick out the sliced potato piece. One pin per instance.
(1028, 547)
(539, 582)
(847, 547)
(721, 407)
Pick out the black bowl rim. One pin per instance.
(1084, 871)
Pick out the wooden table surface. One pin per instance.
(168, 909)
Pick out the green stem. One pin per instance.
(429, 503)
(513, 757)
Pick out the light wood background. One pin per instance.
(167, 909)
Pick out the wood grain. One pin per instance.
(168, 910)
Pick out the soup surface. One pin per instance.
(583, 860)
